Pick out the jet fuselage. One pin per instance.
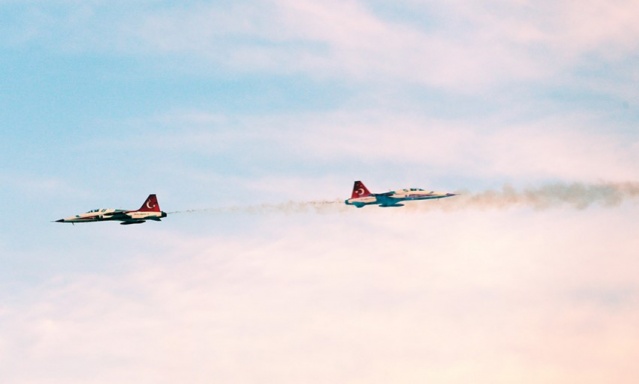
(362, 197)
(150, 210)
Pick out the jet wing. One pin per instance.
(385, 200)
(117, 215)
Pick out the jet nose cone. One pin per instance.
(60, 221)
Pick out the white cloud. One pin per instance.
(342, 39)
(465, 46)
(468, 46)
(33, 185)
(572, 147)
(367, 295)
(372, 296)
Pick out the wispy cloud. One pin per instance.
(31, 184)
(460, 294)
(444, 95)
(565, 148)
(469, 45)
(466, 46)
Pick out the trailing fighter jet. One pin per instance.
(361, 196)
(150, 210)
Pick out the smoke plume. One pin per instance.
(575, 195)
(317, 206)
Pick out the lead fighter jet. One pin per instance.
(150, 210)
(361, 196)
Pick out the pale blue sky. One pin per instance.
(217, 104)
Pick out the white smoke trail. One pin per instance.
(317, 206)
(575, 195)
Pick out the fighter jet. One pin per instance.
(361, 196)
(150, 210)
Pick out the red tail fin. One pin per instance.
(359, 190)
(150, 205)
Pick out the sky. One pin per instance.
(243, 116)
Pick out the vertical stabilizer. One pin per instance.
(359, 190)
(150, 205)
